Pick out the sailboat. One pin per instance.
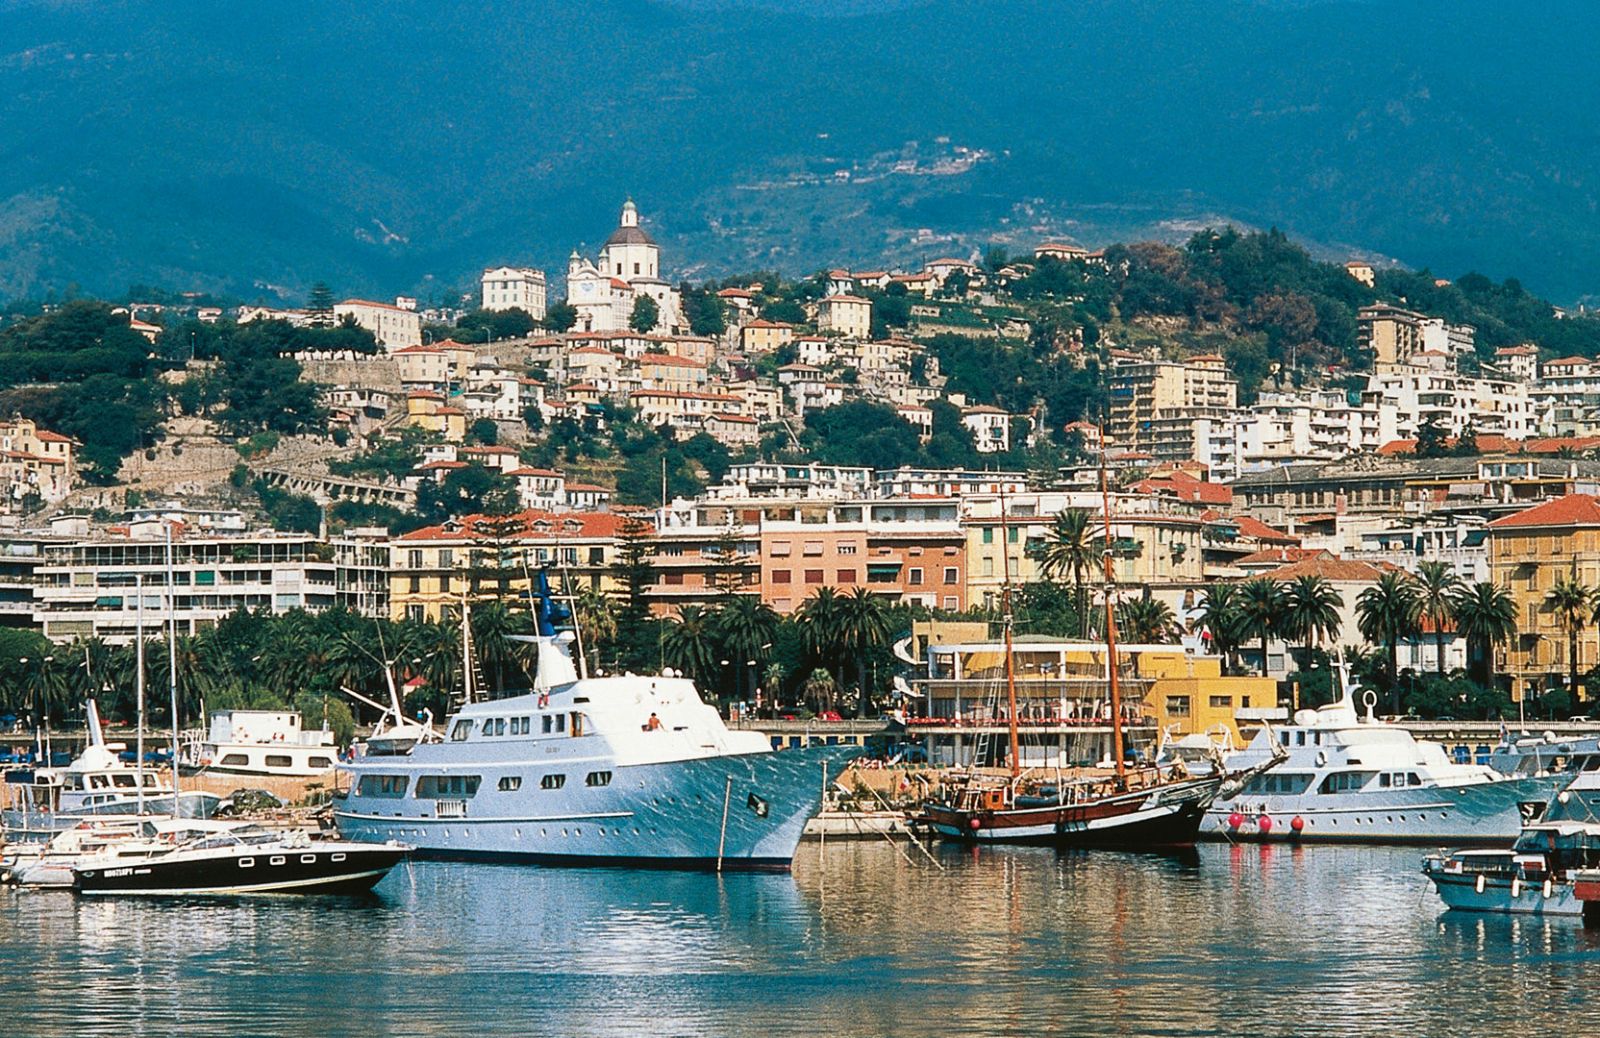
(1141, 806)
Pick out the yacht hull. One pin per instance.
(1479, 813)
(1461, 893)
(313, 870)
(744, 811)
(1165, 816)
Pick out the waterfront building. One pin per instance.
(488, 558)
(85, 584)
(1530, 552)
(392, 327)
(514, 288)
(1062, 699)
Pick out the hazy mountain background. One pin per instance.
(396, 145)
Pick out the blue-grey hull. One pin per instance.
(1480, 813)
(1460, 892)
(744, 810)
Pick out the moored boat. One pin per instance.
(629, 770)
(1136, 807)
(1549, 870)
(242, 860)
(1350, 779)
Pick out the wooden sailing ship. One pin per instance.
(1130, 806)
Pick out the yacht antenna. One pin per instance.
(1007, 622)
(1111, 623)
(172, 663)
(138, 685)
(466, 649)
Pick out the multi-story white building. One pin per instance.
(990, 428)
(89, 586)
(514, 288)
(393, 327)
(1566, 397)
(1420, 392)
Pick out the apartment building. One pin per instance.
(1529, 552)
(514, 288)
(1154, 404)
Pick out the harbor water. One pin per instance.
(856, 941)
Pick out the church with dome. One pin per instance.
(605, 291)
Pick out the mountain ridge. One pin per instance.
(256, 150)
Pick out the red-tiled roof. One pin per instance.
(52, 437)
(667, 360)
(1488, 443)
(1568, 362)
(1279, 556)
(526, 471)
(419, 348)
(1252, 527)
(1571, 510)
(528, 526)
(381, 306)
(1329, 568)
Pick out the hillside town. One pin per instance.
(670, 448)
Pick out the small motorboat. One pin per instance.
(128, 838)
(246, 859)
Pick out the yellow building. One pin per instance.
(1062, 699)
(426, 409)
(1155, 543)
(489, 558)
(1528, 553)
(761, 336)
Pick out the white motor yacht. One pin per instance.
(1356, 779)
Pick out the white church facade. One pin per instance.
(629, 266)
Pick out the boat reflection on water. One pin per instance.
(857, 940)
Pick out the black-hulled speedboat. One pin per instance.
(245, 860)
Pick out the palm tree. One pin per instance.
(863, 627)
(1221, 616)
(1071, 549)
(1571, 602)
(820, 690)
(1436, 586)
(1146, 620)
(690, 644)
(818, 618)
(745, 627)
(1311, 611)
(1260, 612)
(1486, 615)
(1386, 612)
(595, 614)
(505, 661)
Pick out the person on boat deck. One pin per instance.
(654, 724)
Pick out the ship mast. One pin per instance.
(1111, 624)
(1007, 623)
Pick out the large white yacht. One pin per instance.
(1350, 778)
(619, 770)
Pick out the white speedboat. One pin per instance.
(96, 783)
(1356, 779)
(262, 742)
(611, 770)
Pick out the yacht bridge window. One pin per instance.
(432, 787)
(390, 786)
(1345, 782)
(462, 729)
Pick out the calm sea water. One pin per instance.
(856, 941)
